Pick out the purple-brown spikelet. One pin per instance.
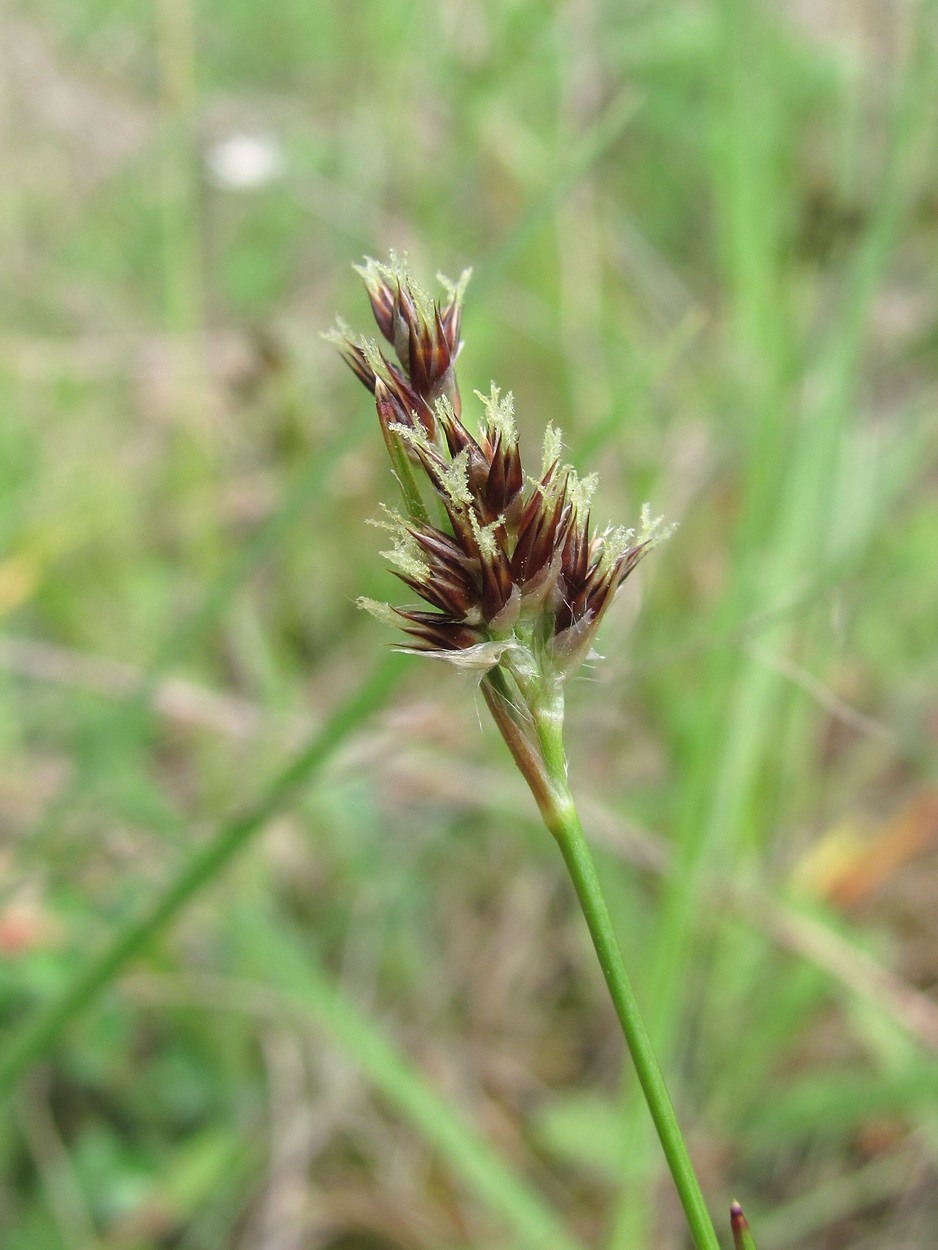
(508, 563)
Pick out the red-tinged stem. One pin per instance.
(742, 1237)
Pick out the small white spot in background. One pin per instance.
(245, 162)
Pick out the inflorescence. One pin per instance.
(507, 563)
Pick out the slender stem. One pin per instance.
(564, 824)
(569, 834)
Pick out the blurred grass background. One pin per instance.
(287, 961)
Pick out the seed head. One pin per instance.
(516, 580)
(506, 559)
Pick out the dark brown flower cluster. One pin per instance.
(424, 336)
(506, 564)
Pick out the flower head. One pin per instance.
(513, 578)
(505, 559)
(424, 336)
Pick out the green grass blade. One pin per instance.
(34, 1038)
(132, 714)
(283, 960)
(595, 143)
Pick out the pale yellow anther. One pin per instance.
(553, 445)
(580, 490)
(485, 534)
(376, 274)
(500, 414)
(455, 290)
(455, 479)
(380, 611)
(615, 543)
(372, 353)
(340, 334)
(414, 434)
(406, 555)
(652, 532)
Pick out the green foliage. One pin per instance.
(279, 936)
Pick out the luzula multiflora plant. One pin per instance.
(515, 583)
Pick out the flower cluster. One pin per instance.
(506, 563)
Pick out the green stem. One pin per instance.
(564, 823)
